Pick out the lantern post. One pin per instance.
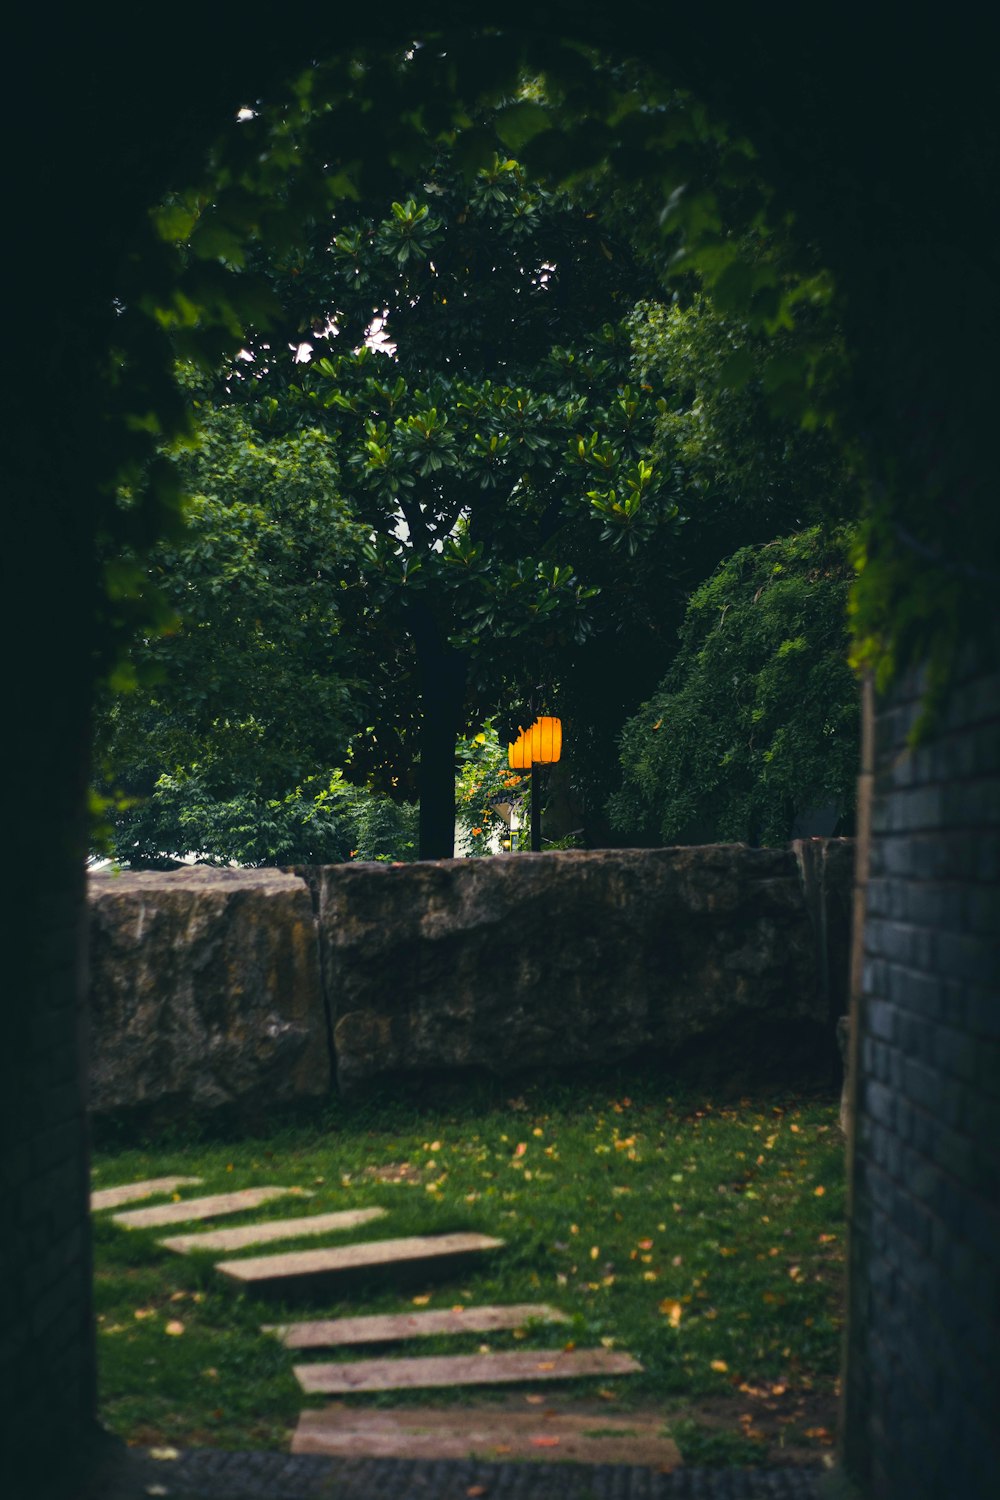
(538, 745)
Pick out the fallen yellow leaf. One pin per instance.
(544, 1440)
(818, 1192)
(672, 1310)
(720, 1365)
(421, 1301)
(175, 1328)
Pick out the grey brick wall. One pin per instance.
(922, 1394)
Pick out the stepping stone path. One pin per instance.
(497, 1368)
(131, 1192)
(201, 1208)
(278, 1272)
(409, 1432)
(273, 1229)
(328, 1333)
(486, 1433)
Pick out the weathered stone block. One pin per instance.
(204, 991)
(568, 959)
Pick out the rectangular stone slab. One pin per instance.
(328, 1333)
(272, 1229)
(524, 1365)
(200, 1208)
(130, 1192)
(422, 1432)
(374, 1255)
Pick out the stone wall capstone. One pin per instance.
(205, 991)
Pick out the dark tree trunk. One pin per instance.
(442, 693)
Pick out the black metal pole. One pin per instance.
(536, 809)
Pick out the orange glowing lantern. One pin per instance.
(538, 745)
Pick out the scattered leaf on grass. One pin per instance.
(164, 1453)
(175, 1328)
(720, 1365)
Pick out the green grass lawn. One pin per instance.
(706, 1239)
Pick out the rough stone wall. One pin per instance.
(923, 1387)
(205, 992)
(218, 989)
(567, 959)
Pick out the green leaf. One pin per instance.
(519, 122)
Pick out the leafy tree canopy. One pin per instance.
(251, 681)
(462, 354)
(756, 724)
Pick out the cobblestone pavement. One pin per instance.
(209, 1474)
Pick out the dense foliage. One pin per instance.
(459, 359)
(540, 474)
(756, 724)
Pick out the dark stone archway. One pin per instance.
(885, 148)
